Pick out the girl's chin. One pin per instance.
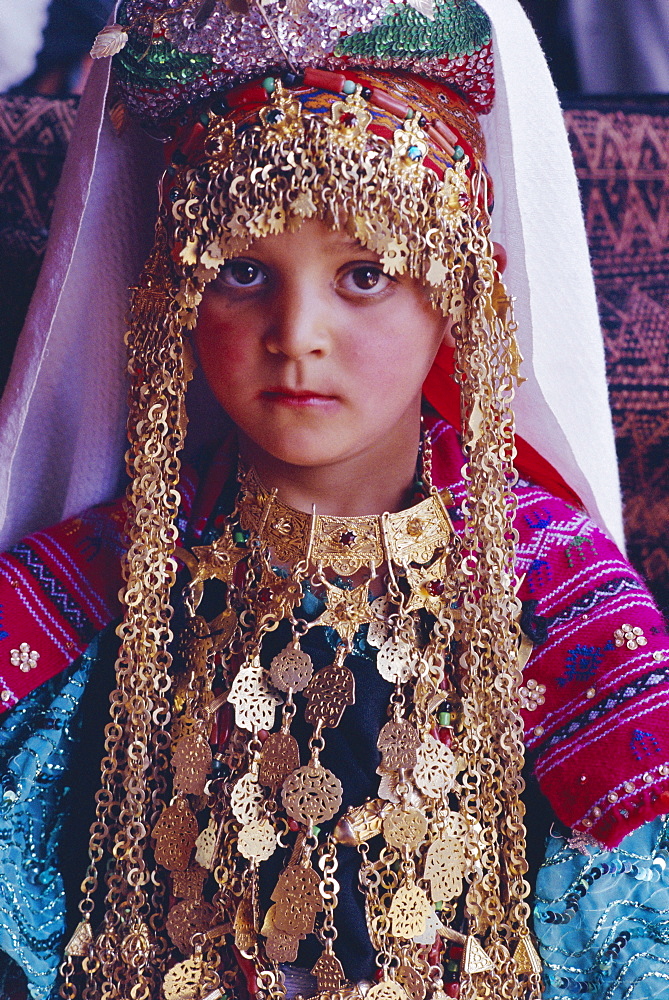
(302, 451)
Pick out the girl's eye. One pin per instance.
(241, 273)
(364, 279)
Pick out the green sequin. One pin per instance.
(161, 65)
(460, 27)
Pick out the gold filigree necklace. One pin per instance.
(228, 816)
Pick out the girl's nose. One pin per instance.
(299, 324)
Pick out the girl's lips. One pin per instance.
(293, 397)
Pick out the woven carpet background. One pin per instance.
(621, 152)
(34, 133)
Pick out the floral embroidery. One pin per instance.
(578, 542)
(643, 744)
(538, 573)
(582, 662)
(539, 520)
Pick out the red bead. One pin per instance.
(262, 735)
(445, 735)
(246, 93)
(445, 132)
(195, 139)
(452, 989)
(224, 720)
(438, 139)
(323, 79)
(293, 825)
(434, 957)
(264, 595)
(387, 103)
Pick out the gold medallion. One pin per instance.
(328, 972)
(257, 840)
(398, 743)
(387, 989)
(312, 794)
(189, 980)
(445, 865)
(297, 899)
(244, 924)
(328, 694)
(404, 827)
(436, 768)
(254, 703)
(191, 760)
(280, 756)
(175, 834)
(412, 982)
(291, 669)
(281, 947)
(408, 911)
(187, 918)
(396, 661)
(247, 799)
(379, 628)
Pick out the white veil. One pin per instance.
(62, 417)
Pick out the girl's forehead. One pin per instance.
(313, 235)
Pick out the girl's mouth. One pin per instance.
(295, 397)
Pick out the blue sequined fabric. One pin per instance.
(602, 918)
(37, 743)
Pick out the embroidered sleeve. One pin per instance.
(58, 588)
(602, 917)
(596, 691)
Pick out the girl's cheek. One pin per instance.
(220, 344)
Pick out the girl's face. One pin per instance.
(316, 354)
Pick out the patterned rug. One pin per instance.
(34, 132)
(621, 151)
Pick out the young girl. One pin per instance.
(338, 621)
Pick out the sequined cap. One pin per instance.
(179, 52)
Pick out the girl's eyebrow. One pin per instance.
(350, 243)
